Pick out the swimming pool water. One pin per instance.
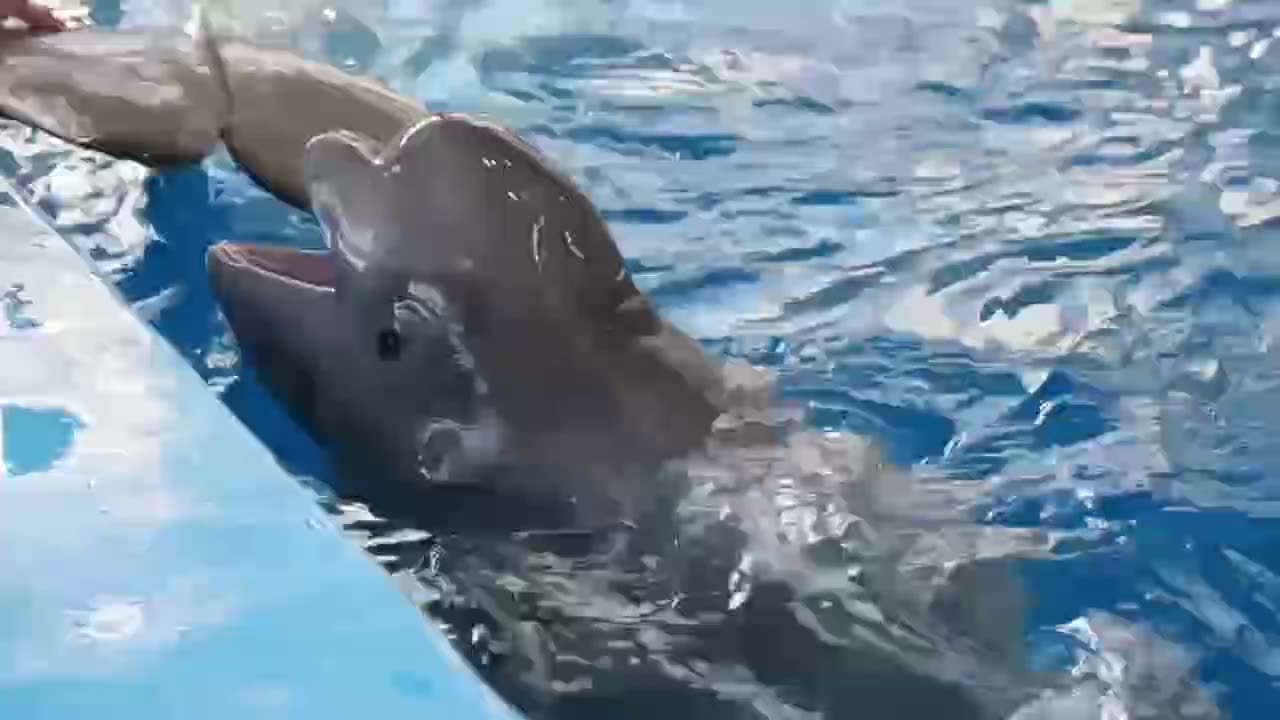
(1024, 246)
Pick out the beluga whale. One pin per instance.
(454, 248)
(458, 219)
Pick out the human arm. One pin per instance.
(36, 16)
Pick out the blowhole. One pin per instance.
(389, 344)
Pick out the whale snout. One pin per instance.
(277, 301)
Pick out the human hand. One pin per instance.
(37, 17)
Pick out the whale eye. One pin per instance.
(389, 344)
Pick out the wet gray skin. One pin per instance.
(585, 381)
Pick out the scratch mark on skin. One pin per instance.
(568, 241)
(536, 241)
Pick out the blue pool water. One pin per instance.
(1020, 245)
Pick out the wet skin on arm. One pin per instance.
(36, 16)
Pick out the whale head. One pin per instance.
(373, 394)
(457, 245)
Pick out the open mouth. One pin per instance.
(312, 268)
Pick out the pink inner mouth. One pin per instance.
(309, 268)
